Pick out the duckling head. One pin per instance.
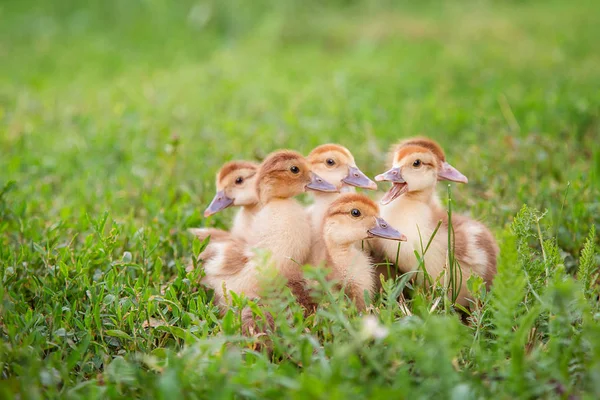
(336, 165)
(285, 174)
(236, 186)
(354, 217)
(417, 165)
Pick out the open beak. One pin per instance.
(383, 230)
(319, 184)
(218, 203)
(357, 178)
(399, 186)
(393, 175)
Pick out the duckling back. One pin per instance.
(475, 249)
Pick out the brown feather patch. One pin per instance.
(352, 199)
(486, 241)
(408, 150)
(274, 167)
(302, 294)
(427, 143)
(270, 163)
(325, 148)
(232, 166)
(461, 241)
(424, 144)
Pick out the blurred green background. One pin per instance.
(130, 107)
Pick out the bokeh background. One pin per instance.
(122, 111)
(131, 106)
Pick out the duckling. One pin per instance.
(279, 227)
(336, 165)
(349, 220)
(236, 186)
(412, 205)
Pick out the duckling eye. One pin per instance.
(330, 162)
(417, 163)
(355, 212)
(239, 180)
(294, 169)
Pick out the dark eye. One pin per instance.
(294, 169)
(330, 161)
(417, 163)
(239, 180)
(355, 212)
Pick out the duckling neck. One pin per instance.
(276, 200)
(339, 258)
(243, 219)
(251, 208)
(343, 258)
(352, 268)
(427, 196)
(269, 197)
(322, 201)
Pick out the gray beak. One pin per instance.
(218, 203)
(383, 230)
(357, 178)
(319, 184)
(393, 175)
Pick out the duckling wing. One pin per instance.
(230, 267)
(475, 248)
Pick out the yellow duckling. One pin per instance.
(280, 227)
(236, 186)
(336, 165)
(349, 220)
(413, 206)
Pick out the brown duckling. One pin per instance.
(349, 220)
(412, 205)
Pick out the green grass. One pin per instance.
(115, 116)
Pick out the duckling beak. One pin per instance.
(399, 186)
(449, 173)
(357, 178)
(383, 230)
(393, 175)
(319, 184)
(218, 203)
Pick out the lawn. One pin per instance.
(115, 116)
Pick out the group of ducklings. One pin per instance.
(330, 231)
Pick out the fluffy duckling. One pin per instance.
(279, 226)
(413, 206)
(349, 220)
(336, 165)
(236, 186)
